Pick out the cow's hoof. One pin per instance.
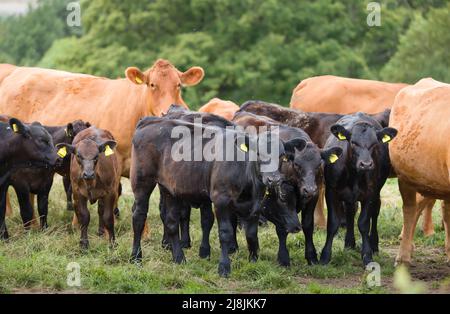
(136, 258)
(224, 270)
(69, 206)
(253, 258)
(101, 232)
(117, 212)
(4, 236)
(312, 259)
(204, 252)
(233, 249)
(185, 244)
(367, 260)
(402, 261)
(325, 260)
(284, 261)
(84, 245)
(179, 259)
(166, 245)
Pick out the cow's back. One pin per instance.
(334, 94)
(420, 153)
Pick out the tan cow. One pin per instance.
(56, 98)
(421, 154)
(344, 95)
(223, 108)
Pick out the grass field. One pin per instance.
(36, 261)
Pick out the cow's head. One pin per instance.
(87, 153)
(36, 142)
(365, 141)
(73, 128)
(163, 83)
(303, 165)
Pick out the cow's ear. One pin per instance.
(88, 125)
(386, 135)
(192, 77)
(331, 155)
(136, 76)
(107, 147)
(19, 128)
(294, 144)
(69, 130)
(64, 149)
(340, 132)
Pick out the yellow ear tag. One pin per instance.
(108, 151)
(267, 193)
(15, 128)
(285, 159)
(386, 138)
(244, 147)
(138, 80)
(333, 158)
(62, 152)
(341, 137)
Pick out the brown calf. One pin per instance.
(95, 176)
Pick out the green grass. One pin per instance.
(36, 261)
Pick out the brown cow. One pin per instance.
(420, 155)
(95, 176)
(344, 95)
(223, 108)
(56, 98)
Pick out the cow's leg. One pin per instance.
(283, 252)
(350, 212)
(234, 244)
(308, 230)
(332, 225)
(43, 209)
(165, 243)
(223, 216)
(83, 216)
(410, 217)
(172, 223)
(109, 204)
(101, 221)
(251, 234)
(184, 226)
(207, 221)
(8, 206)
(68, 190)
(3, 230)
(373, 237)
(426, 205)
(26, 210)
(116, 205)
(446, 218)
(142, 192)
(367, 208)
(319, 212)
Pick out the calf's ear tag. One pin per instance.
(386, 138)
(267, 193)
(138, 80)
(15, 128)
(333, 158)
(62, 152)
(108, 151)
(341, 136)
(285, 159)
(244, 147)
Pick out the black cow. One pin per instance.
(303, 171)
(39, 180)
(234, 187)
(316, 124)
(357, 177)
(22, 146)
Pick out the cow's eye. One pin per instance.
(179, 86)
(152, 85)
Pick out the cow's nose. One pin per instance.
(308, 192)
(366, 165)
(88, 176)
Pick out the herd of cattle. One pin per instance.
(339, 142)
